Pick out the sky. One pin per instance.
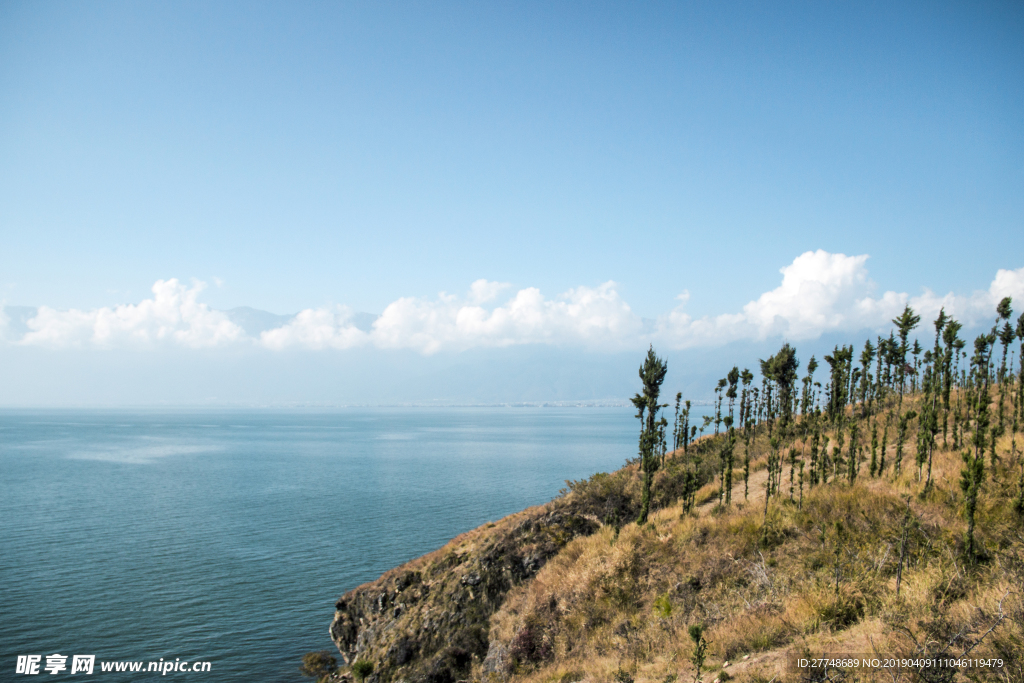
(326, 203)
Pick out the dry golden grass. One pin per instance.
(616, 606)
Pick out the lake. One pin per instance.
(228, 536)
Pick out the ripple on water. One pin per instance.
(228, 537)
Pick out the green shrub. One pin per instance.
(663, 606)
(318, 665)
(362, 668)
(623, 676)
(606, 495)
(842, 611)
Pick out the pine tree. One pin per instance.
(840, 365)
(676, 426)
(951, 341)
(885, 445)
(1020, 372)
(773, 450)
(800, 504)
(727, 458)
(687, 434)
(916, 351)
(1006, 336)
(891, 359)
(906, 322)
(700, 647)
(881, 352)
(1003, 312)
(807, 397)
(733, 379)
(973, 472)
(815, 442)
(901, 438)
(781, 370)
(767, 381)
(930, 426)
(837, 451)
(746, 377)
(718, 403)
(866, 356)
(853, 465)
(652, 375)
(746, 468)
(874, 448)
(823, 461)
(981, 368)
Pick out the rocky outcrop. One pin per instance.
(428, 620)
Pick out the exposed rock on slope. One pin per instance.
(428, 620)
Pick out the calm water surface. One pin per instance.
(227, 537)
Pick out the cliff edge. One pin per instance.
(428, 620)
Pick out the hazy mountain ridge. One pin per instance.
(254, 321)
(248, 375)
(17, 318)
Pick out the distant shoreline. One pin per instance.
(207, 407)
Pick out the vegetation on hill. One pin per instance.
(880, 514)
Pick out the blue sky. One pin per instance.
(342, 158)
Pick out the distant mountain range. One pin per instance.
(17, 320)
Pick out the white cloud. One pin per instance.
(978, 308)
(172, 315)
(823, 292)
(585, 316)
(482, 291)
(820, 292)
(316, 328)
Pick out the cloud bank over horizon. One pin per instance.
(820, 293)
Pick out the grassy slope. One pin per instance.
(616, 605)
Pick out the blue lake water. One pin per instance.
(228, 536)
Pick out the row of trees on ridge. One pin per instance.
(826, 431)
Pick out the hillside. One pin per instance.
(789, 582)
(845, 538)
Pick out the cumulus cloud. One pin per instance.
(316, 328)
(482, 291)
(820, 292)
(824, 292)
(586, 316)
(977, 308)
(172, 315)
